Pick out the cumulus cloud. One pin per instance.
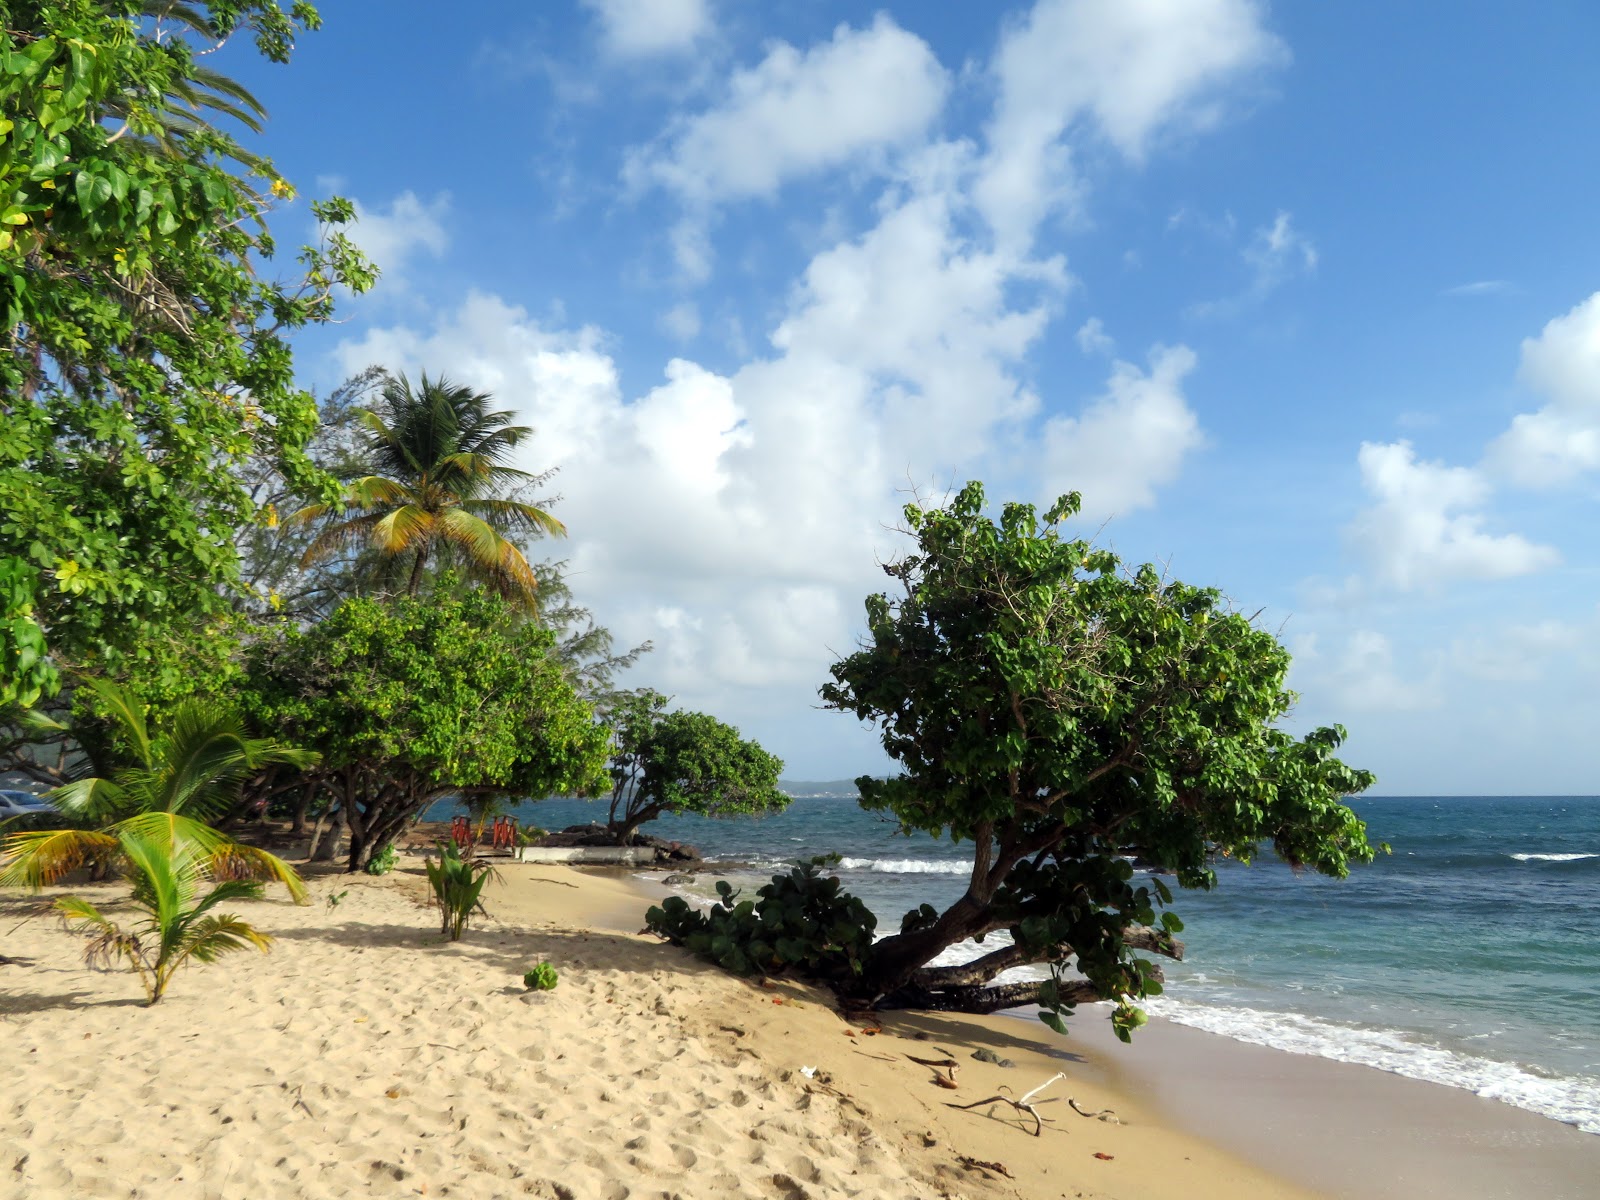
(408, 229)
(797, 112)
(1124, 70)
(1130, 441)
(1561, 440)
(642, 28)
(1427, 525)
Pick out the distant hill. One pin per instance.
(843, 789)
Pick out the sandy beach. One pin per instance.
(366, 1056)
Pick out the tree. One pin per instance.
(439, 453)
(179, 925)
(452, 692)
(142, 348)
(683, 762)
(171, 784)
(1061, 715)
(278, 584)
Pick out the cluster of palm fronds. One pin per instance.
(149, 821)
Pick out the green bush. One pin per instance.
(541, 979)
(384, 861)
(457, 884)
(803, 920)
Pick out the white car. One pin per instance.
(23, 804)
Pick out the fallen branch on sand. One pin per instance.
(1021, 1105)
(1024, 1105)
(992, 1167)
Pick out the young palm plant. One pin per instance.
(179, 923)
(440, 456)
(180, 779)
(457, 885)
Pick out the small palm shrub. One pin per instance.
(804, 919)
(457, 884)
(179, 924)
(541, 979)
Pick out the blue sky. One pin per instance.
(1304, 298)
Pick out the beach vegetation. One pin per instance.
(144, 341)
(541, 979)
(457, 884)
(439, 455)
(802, 922)
(384, 861)
(1068, 717)
(449, 693)
(179, 924)
(173, 780)
(683, 762)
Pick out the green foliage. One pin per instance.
(172, 781)
(143, 348)
(802, 921)
(179, 926)
(383, 861)
(457, 884)
(683, 762)
(541, 979)
(448, 693)
(1060, 713)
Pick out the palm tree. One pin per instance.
(439, 454)
(180, 780)
(178, 925)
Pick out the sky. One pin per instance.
(1303, 298)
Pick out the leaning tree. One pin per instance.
(683, 762)
(1066, 718)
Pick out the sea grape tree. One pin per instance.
(1065, 716)
(453, 692)
(683, 762)
(144, 344)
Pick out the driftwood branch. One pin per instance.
(1022, 1105)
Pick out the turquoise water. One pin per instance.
(1469, 956)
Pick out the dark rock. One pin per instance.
(678, 880)
(989, 1056)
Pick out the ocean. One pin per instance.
(1467, 957)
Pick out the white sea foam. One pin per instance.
(907, 866)
(1552, 857)
(1575, 1100)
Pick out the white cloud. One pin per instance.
(1092, 337)
(1515, 653)
(1278, 251)
(1274, 254)
(1480, 287)
(1130, 441)
(1361, 677)
(408, 229)
(1562, 439)
(798, 112)
(1124, 69)
(1427, 528)
(682, 321)
(641, 28)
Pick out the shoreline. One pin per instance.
(366, 1056)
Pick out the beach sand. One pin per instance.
(367, 1057)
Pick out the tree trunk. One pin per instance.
(324, 845)
(631, 821)
(302, 804)
(985, 999)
